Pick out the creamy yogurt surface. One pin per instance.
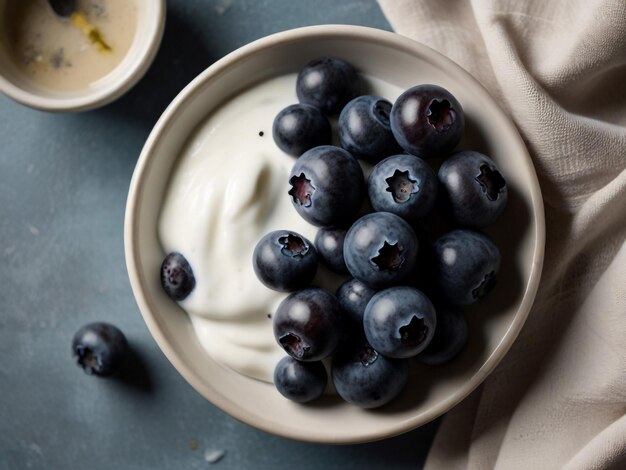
(227, 190)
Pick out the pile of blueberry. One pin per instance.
(379, 318)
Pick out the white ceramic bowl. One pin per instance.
(150, 25)
(494, 324)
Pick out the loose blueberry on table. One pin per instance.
(300, 127)
(474, 187)
(99, 348)
(285, 261)
(427, 121)
(364, 129)
(404, 185)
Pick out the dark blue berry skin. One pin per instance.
(177, 276)
(427, 121)
(99, 348)
(327, 83)
(404, 185)
(300, 127)
(353, 296)
(466, 264)
(308, 324)
(449, 340)
(366, 378)
(327, 186)
(474, 188)
(364, 129)
(329, 245)
(380, 249)
(399, 322)
(300, 381)
(285, 261)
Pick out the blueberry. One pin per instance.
(327, 186)
(380, 249)
(329, 244)
(99, 348)
(475, 189)
(466, 264)
(327, 83)
(449, 339)
(177, 276)
(399, 322)
(285, 261)
(365, 378)
(403, 185)
(427, 121)
(308, 324)
(364, 128)
(353, 296)
(300, 381)
(300, 127)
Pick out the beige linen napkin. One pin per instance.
(558, 67)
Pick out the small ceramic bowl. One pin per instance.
(145, 44)
(494, 324)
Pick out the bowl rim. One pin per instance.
(105, 95)
(131, 240)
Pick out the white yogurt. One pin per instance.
(228, 189)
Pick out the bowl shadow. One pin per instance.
(508, 235)
(407, 450)
(135, 372)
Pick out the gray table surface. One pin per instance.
(63, 186)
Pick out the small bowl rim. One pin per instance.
(101, 96)
(131, 229)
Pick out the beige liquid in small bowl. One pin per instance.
(53, 53)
